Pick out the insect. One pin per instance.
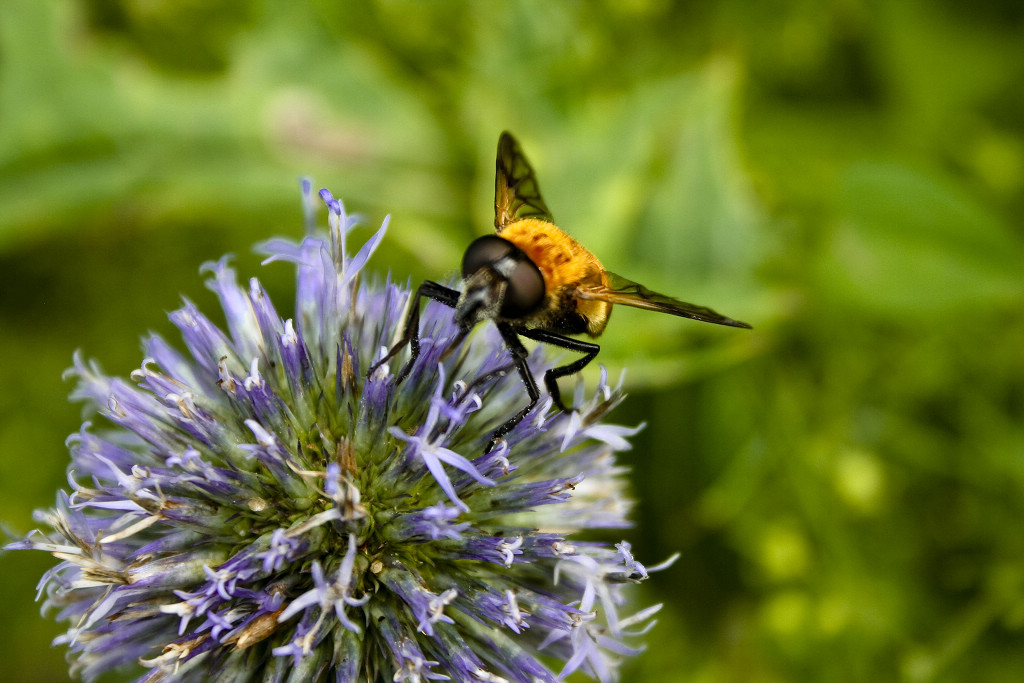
(534, 281)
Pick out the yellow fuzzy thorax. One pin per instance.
(564, 264)
(562, 260)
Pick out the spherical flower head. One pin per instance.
(258, 508)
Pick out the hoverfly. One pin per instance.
(534, 281)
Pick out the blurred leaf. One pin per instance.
(907, 245)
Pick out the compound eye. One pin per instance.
(525, 291)
(485, 251)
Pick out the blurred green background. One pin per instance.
(845, 483)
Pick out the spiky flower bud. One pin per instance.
(257, 508)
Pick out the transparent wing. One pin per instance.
(619, 290)
(516, 192)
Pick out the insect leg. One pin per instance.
(519, 355)
(411, 334)
(552, 375)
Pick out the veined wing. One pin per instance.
(516, 192)
(619, 290)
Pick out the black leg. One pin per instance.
(552, 375)
(519, 355)
(411, 334)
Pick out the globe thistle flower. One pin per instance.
(256, 508)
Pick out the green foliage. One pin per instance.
(846, 481)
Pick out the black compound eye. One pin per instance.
(485, 251)
(525, 291)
